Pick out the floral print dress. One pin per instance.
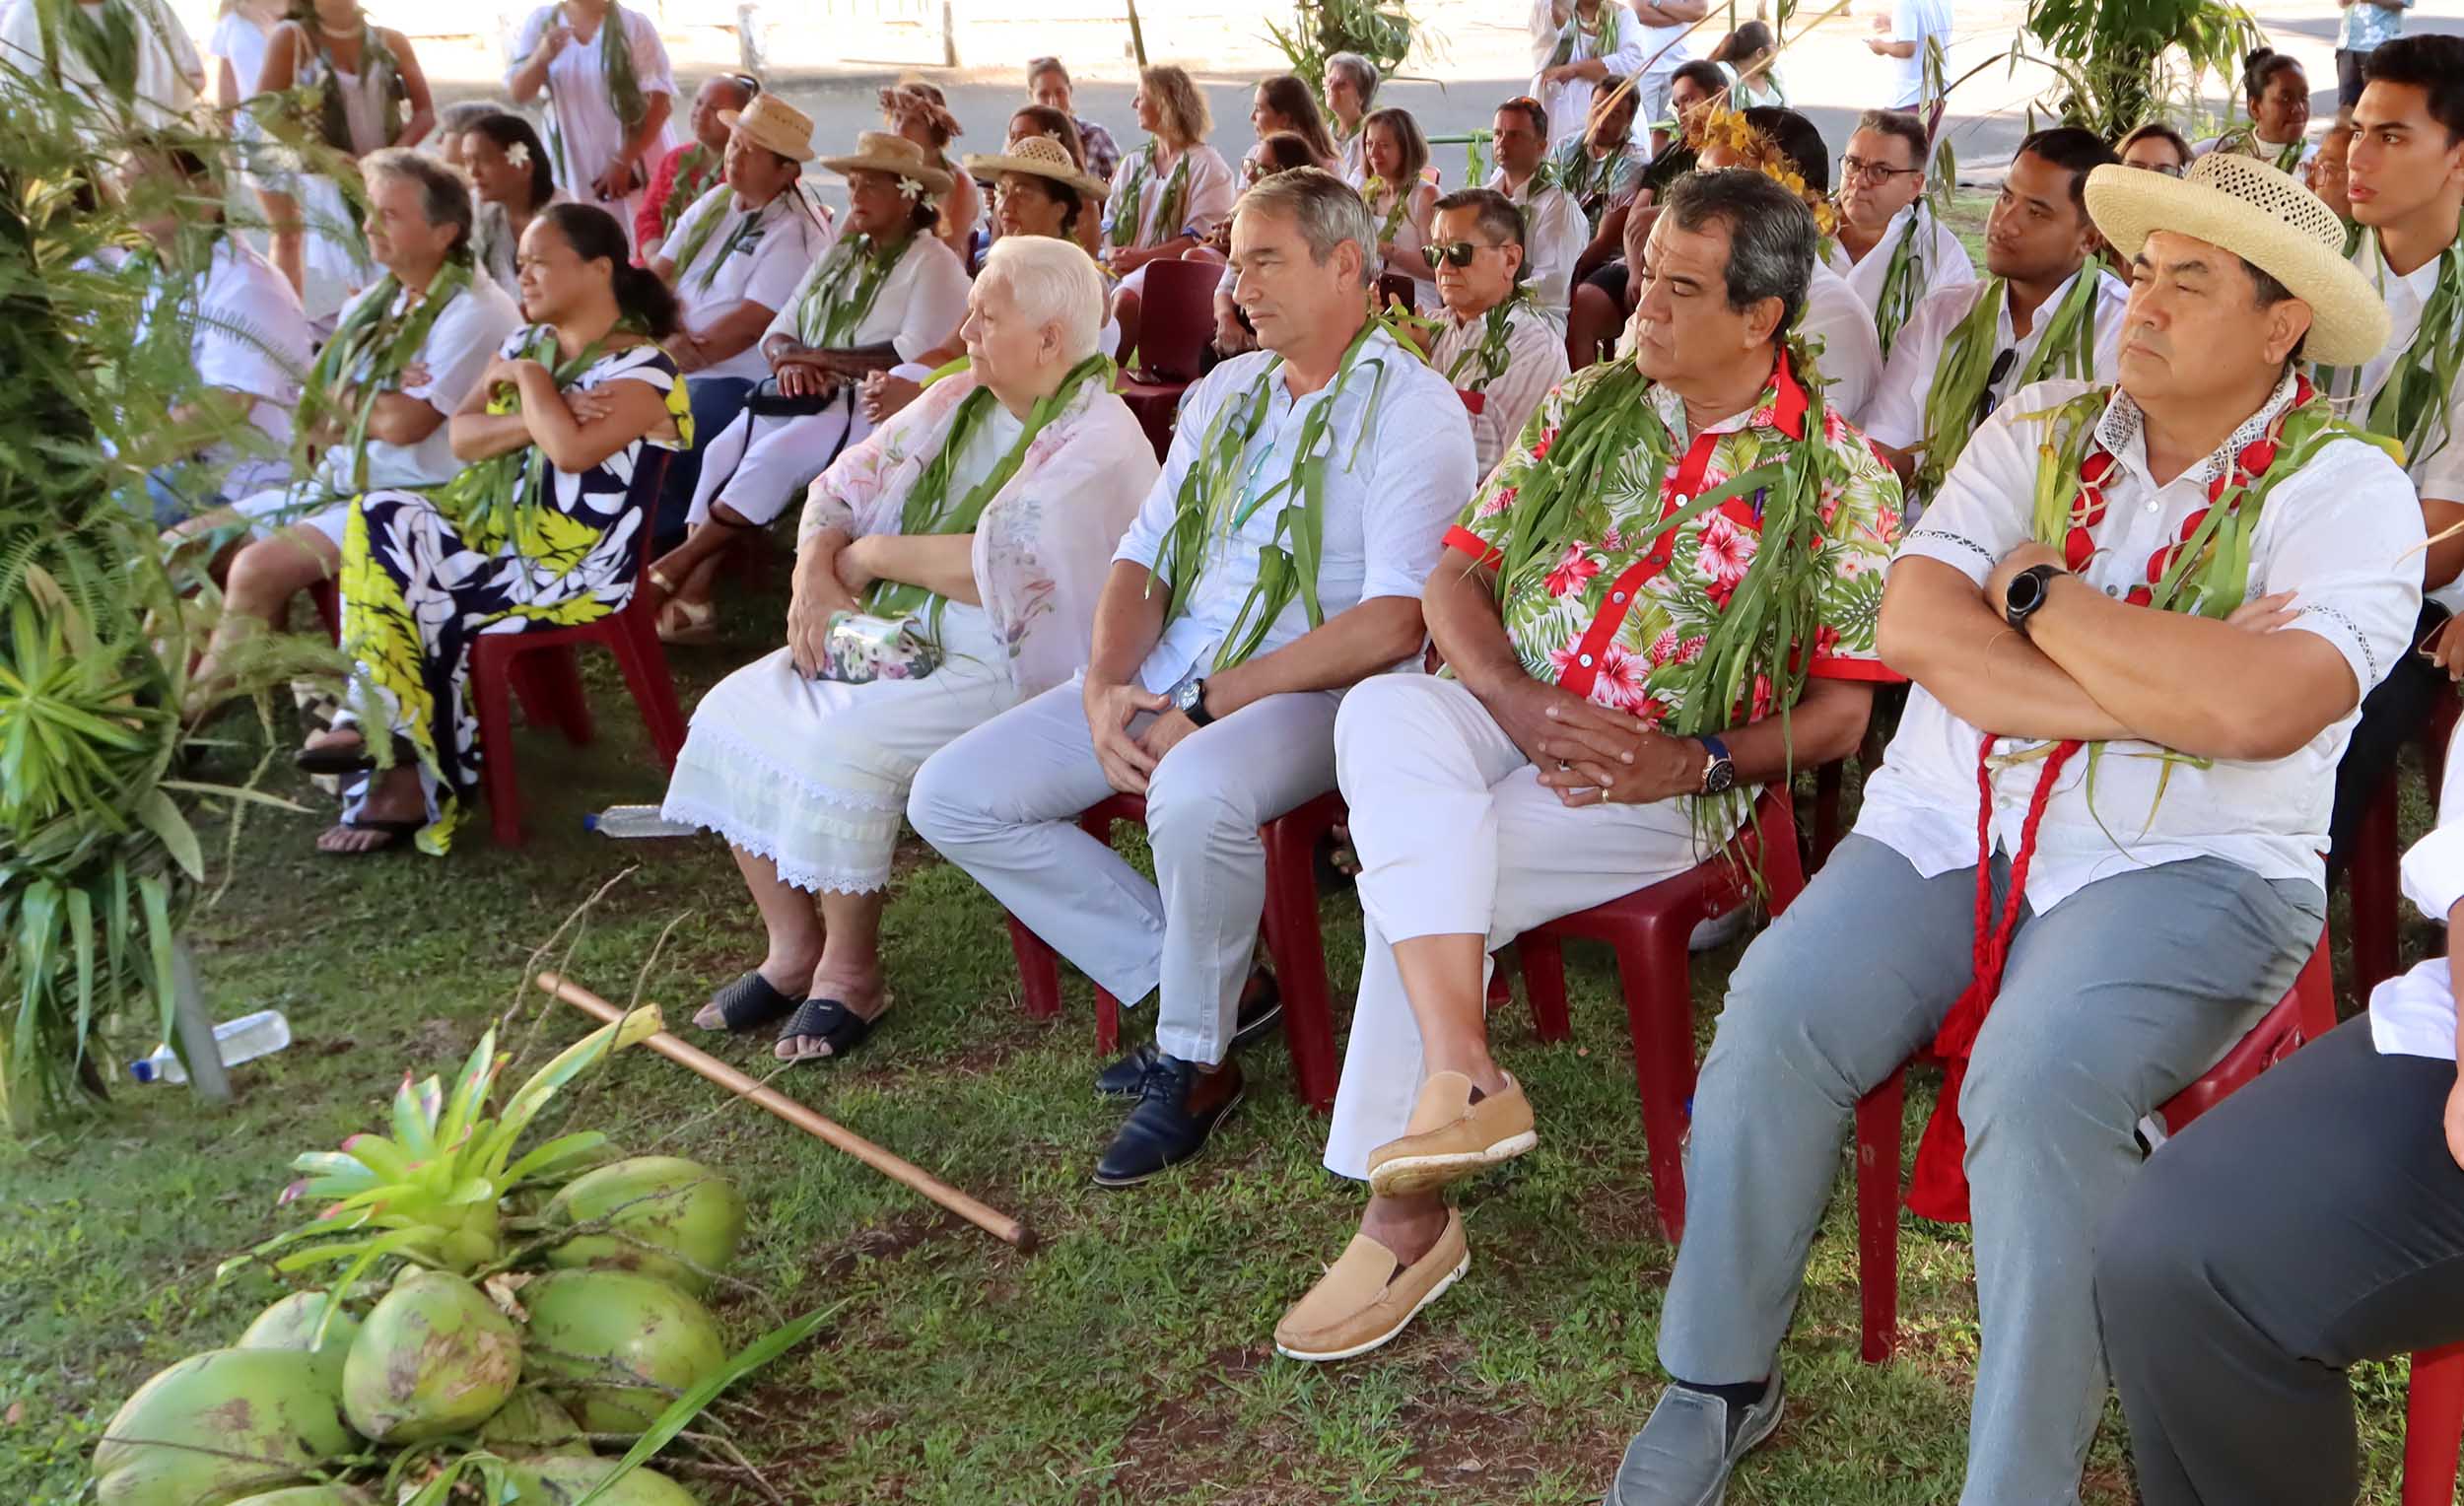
(420, 581)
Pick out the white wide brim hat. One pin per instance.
(2242, 205)
(1042, 157)
(773, 124)
(882, 152)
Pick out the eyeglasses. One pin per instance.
(1454, 254)
(1874, 171)
(2169, 170)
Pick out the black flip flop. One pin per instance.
(358, 760)
(828, 1021)
(749, 1002)
(396, 834)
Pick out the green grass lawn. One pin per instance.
(1128, 1359)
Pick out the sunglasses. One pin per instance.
(1985, 403)
(1454, 254)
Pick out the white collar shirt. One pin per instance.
(2437, 471)
(1554, 232)
(1391, 493)
(459, 347)
(247, 334)
(1944, 257)
(922, 303)
(2343, 534)
(761, 265)
(1850, 357)
(1536, 360)
(1896, 415)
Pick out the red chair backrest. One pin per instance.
(1176, 317)
(2302, 1015)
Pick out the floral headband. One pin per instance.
(1723, 126)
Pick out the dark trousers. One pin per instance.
(2313, 1219)
(716, 401)
(2349, 77)
(2392, 714)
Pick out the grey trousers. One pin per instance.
(1001, 803)
(2313, 1219)
(2112, 1001)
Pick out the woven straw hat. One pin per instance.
(773, 122)
(1042, 157)
(2244, 206)
(882, 152)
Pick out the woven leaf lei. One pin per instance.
(2066, 348)
(2411, 406)
(368, 354)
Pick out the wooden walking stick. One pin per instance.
(990, 1220)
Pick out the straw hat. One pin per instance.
(1042, 157)
(771, 123)
(882, 152)
(2264, 217)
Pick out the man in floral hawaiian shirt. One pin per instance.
(1688, 511)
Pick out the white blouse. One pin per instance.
(583, 129)
(763, 265)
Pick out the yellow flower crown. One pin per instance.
(1723, 126)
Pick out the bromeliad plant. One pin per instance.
(430, 1193)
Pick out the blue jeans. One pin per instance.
(716, 401)
(180, 491)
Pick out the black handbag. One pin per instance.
(767, 401)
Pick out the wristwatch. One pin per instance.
(1190, 701)
(2025, 593)
(1718, 771)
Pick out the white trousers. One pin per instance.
(1458, 837)
(1002, 802)
(758, 466)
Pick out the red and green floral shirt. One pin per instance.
(1621, 612)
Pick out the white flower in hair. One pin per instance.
(518, 154)
(911, 189)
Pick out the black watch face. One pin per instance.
(2028, 589)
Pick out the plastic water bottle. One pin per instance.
(234, 1040)
(633, 821)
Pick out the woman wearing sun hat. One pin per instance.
(887, 291)
(1038, 190)
(2140, 621)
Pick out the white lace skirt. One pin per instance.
(813, 774)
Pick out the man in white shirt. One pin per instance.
(1216, 675)
(152, 85)
(1950, 369)
(735, 258)
(238, 321)
(1913, 26)
(2146, 687)
(2407, 187)
(1890, 246)
(1554, 230)
(1494, 347)
(419, 230)
(2314, 1220)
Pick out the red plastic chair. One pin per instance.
(541, 661)
(1292, 941)
(1650, 929)
(2304, 1014)
(2434, 1417)
(2371, 873)
(1176, 323)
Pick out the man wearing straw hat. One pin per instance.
(2140, 621)
(734, 257)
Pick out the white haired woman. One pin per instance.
(947, 568)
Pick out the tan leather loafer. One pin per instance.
(1450, 1138)
(1368, 1297)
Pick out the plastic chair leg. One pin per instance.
(1879, 1120)
(1107, 1025)
(2371, 878)
(549, 682)
(491, 691)
(1543, 968)
(1660, 1011)
(1038, 972)
(1828, 781)
(2433, 1418)
(1299, 952)
(645, 666)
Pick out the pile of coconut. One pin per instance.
(484, 1330)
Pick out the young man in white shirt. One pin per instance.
(1493, 346)
(1554, 230)
(1950, 369)
(1215, 677)
(2406, 180)
(1890, 246)
(2138, 690)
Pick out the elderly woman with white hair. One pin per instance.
(948, 569)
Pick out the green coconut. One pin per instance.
(312, 1496)
(590, 1326)
(566, 1480)
(434, 1359)
(532, 1423)
(268, 1415)
(291, 1322)
(665, 1217)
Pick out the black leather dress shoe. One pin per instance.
(1261, 1009)
(1179, 1108)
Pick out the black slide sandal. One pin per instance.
(749, 1002)
(828, 1021)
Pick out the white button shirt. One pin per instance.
(764, 265)
(923, 301)
(1631, 45)
(1850, 357)
(1554, 232)
(2438, 470)
(2413, 1014)
(1896, 415)
(247, 334)
(1386, 512)
(459, 347)
(2343, 534)
(1945, 257)
(1536, 360)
